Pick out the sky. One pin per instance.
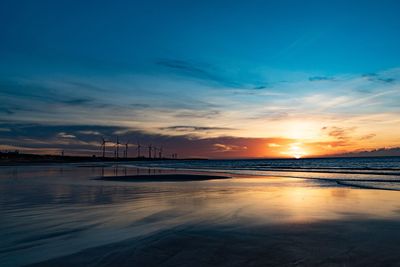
(215, 79)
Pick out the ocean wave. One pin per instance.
(362, 173)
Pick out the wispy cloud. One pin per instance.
(228, 148)
(259, 87)
(89, 132)
(197, 71)
(273, 145)
(376, 77)
(186, 128)
(320, 78)
(339, 133)
(367, 136)
(197, 114)
(77, 101)
(7, 111)
(65, 135)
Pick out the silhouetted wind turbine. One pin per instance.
(160, 153)
(117, 148)
(126, 149)
(155, 152)
(103, 146)
(138, 150)
(149, 151)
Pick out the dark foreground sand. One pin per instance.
(163, 178)
(330, 243)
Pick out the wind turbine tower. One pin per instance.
(126, 150)
(150, 151)
(138, 150)
(103, 146)
(155, 152)
(117, 148)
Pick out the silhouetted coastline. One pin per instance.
(13, 158)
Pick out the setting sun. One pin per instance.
(295, 150)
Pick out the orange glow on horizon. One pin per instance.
(295, 150)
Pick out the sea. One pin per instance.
(365, 172)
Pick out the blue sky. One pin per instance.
(203, 69)
(315, 36)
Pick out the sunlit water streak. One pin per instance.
(62, 209)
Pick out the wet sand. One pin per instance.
(163, 178)
(64, 216)
(347, 243)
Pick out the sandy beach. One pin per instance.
(190, 219)
(354, 242)
(181, 177)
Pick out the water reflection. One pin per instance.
(63, 209)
